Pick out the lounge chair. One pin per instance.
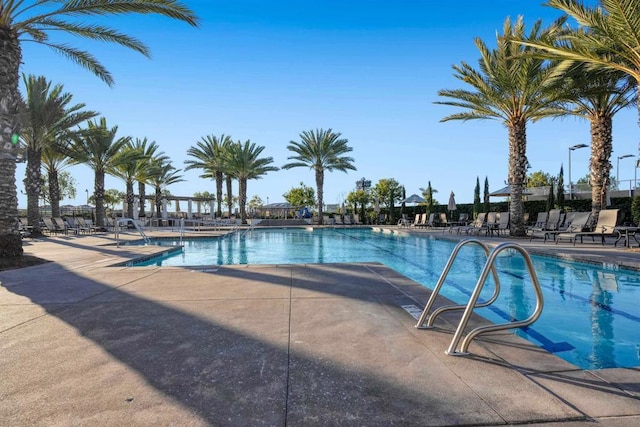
(356, 219)
(347, 220)
(431, 221)
(575, 223)
(51, 227)
(503, 223)
(475, 226)
(442, 220)
(337, 220)
(24, 227)
(606, 226)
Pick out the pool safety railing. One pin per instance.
(425, 321)
(116, 230)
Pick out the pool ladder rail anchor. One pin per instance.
(426, 321)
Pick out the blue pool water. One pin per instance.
(590, 318)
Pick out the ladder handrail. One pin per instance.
(436, 290)
(136, 226)
(476, 293)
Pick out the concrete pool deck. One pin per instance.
(85, 343)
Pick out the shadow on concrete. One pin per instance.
(238, 370)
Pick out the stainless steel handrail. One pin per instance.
(489, 266)
(436, 290)
(135, 224)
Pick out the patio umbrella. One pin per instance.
(452, 202)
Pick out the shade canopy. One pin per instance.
(414, 198)
(506, 192)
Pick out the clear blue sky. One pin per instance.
(369, 69)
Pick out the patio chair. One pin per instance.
(442, 220)
(51, 227)
(431, 221)
(24, 227)
(347, 220)
(606, 226)
(337, 220)
(356, 219)
(475, 226)
(503, 223)
(573, 224)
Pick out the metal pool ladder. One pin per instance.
(426, 321)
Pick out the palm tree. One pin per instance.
(22, 21)
(161, 175)
(597, 96)
(99, 149)
(53, 162)
(320, 150)
(609, 40)
(513, 87)
(126, 170)
(243, 162)
(47, 117)
(149, 151)
(209, 156)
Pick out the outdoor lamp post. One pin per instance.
(624, 156)
(363, 184)
(573, 147)
(635, 177)
(87, 191)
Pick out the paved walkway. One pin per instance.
(84, 343)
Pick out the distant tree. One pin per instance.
(550, 199)
(320, 150)
(584, 184)
(255, 203)
(427, 195)
(476, 198)
(389, 191)
(487, 204)
(301, 196)
(539, 179)
(359, 197)
(635, 209)
(560, 189)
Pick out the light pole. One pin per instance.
(635, 177)
(573, 147)
(87, 191)
(624, 156)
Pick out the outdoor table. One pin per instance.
(625, 233)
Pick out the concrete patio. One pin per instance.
(86, 343)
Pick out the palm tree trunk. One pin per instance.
(130, 199)
(141, 193)
(242, 190)
(54, 193)
(158, 202)
(99, 198)
(517, 175)
(320, 190)
(600, 164)
(219, 179)
(10, 59)
(33, 184)
(229, 194)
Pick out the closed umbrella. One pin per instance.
(452, 202)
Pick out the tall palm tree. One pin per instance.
(22, 21)
(208, 154)
(53, 162)
(597, 96)
(126, 170)
(161, 175)
(608, 40)
(99, 149)
(243, 162)
(320, 150)
(150, 153)
(513, 87)
(48, 116)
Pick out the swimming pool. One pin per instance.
(590, 317)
